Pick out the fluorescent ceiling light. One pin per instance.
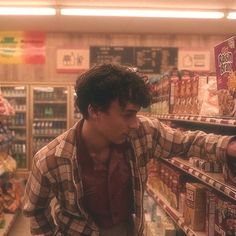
(142, 13)
(231, 15)
(27, 11)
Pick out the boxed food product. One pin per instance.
(195, 206)
(209, 165)
(151, 229)
(162, 175)
(177, 187)
(194, 94)
(154, 167)
(208, 96)
(229, 171)
(210, 212)
(166, 181)
(225, 218)
(225, 61)
(195, 106)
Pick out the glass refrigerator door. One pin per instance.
(50, 114)
(17, 97)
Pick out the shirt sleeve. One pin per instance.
(36, 202)
(169, 142)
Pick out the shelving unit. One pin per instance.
(50, 114)
(47, 107)
(17, 96)
(229, 122)
(50, 102)
(226, 126)
(6, 142)
(50, 119)
(215, 181)
(175, 215)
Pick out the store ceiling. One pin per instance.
(60, 23)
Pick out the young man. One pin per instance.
(96, 171)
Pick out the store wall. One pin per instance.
(47, 72)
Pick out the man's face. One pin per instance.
(115, 124)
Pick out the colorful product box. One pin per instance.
(225, 218)
(225, 61)
(195, 206)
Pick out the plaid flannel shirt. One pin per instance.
(57, 173)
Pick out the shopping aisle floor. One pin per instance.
(21, 226)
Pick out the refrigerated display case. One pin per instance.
(42, 112)
(50, 114)
(17, 96)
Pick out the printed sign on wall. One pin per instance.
(72, 60)
(18, 47)
(147, 59)
(194, 60)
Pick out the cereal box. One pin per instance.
(225, 61)
(195, 206)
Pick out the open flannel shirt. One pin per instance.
(57, 173)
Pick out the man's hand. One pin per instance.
(231, 149)
(231, 157)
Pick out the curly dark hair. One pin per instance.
(104, 83)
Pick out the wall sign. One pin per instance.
(194, 60)
(22, 47)
(120, 55)
(155, 59)
(146, 59)
(72, 60)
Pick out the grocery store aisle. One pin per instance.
(20, 227)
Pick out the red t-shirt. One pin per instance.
(107, 190)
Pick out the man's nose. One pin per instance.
(134, 123)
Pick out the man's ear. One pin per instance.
(92, 112)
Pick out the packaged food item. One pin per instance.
(181, 203)
(154, 174)
(177, 187)
(210, 102)
(225, 61)
(151, 228)
(209, 165)
(174, 90)
(195, 106)
(195, 206)
(210, 212)
(225, 218)
(229, 177)
(186, 93)
(11, 197)
(5, 107)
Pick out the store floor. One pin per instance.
(21, 227)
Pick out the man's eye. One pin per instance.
(129, 115)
